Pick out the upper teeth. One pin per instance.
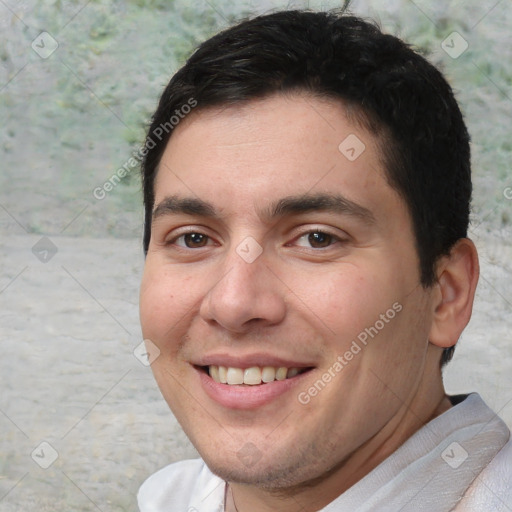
(252, 376)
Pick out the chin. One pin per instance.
(264, 474)
(269, 480)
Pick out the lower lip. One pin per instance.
(245, 396)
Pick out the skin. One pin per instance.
(300, 299)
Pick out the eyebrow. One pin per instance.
(320, 202)
(292, 205)
(173, 205)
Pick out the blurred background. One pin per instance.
(78, 83)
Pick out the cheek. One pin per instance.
(345, 300)
(165, 299)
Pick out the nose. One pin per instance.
(249, 295)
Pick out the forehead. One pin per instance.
(254, 154)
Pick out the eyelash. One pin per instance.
(334, 239)
(184, 234)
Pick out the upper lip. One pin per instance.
(249, 360)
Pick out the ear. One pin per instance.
(457, 277)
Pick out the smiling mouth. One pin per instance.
(253, 376)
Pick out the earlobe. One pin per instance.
(457, 279)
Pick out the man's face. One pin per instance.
(274, 247)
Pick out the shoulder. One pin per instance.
(491, 491)
(187, 486)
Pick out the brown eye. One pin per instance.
(195, 240)
(318, 240)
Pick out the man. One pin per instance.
(308, 274)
